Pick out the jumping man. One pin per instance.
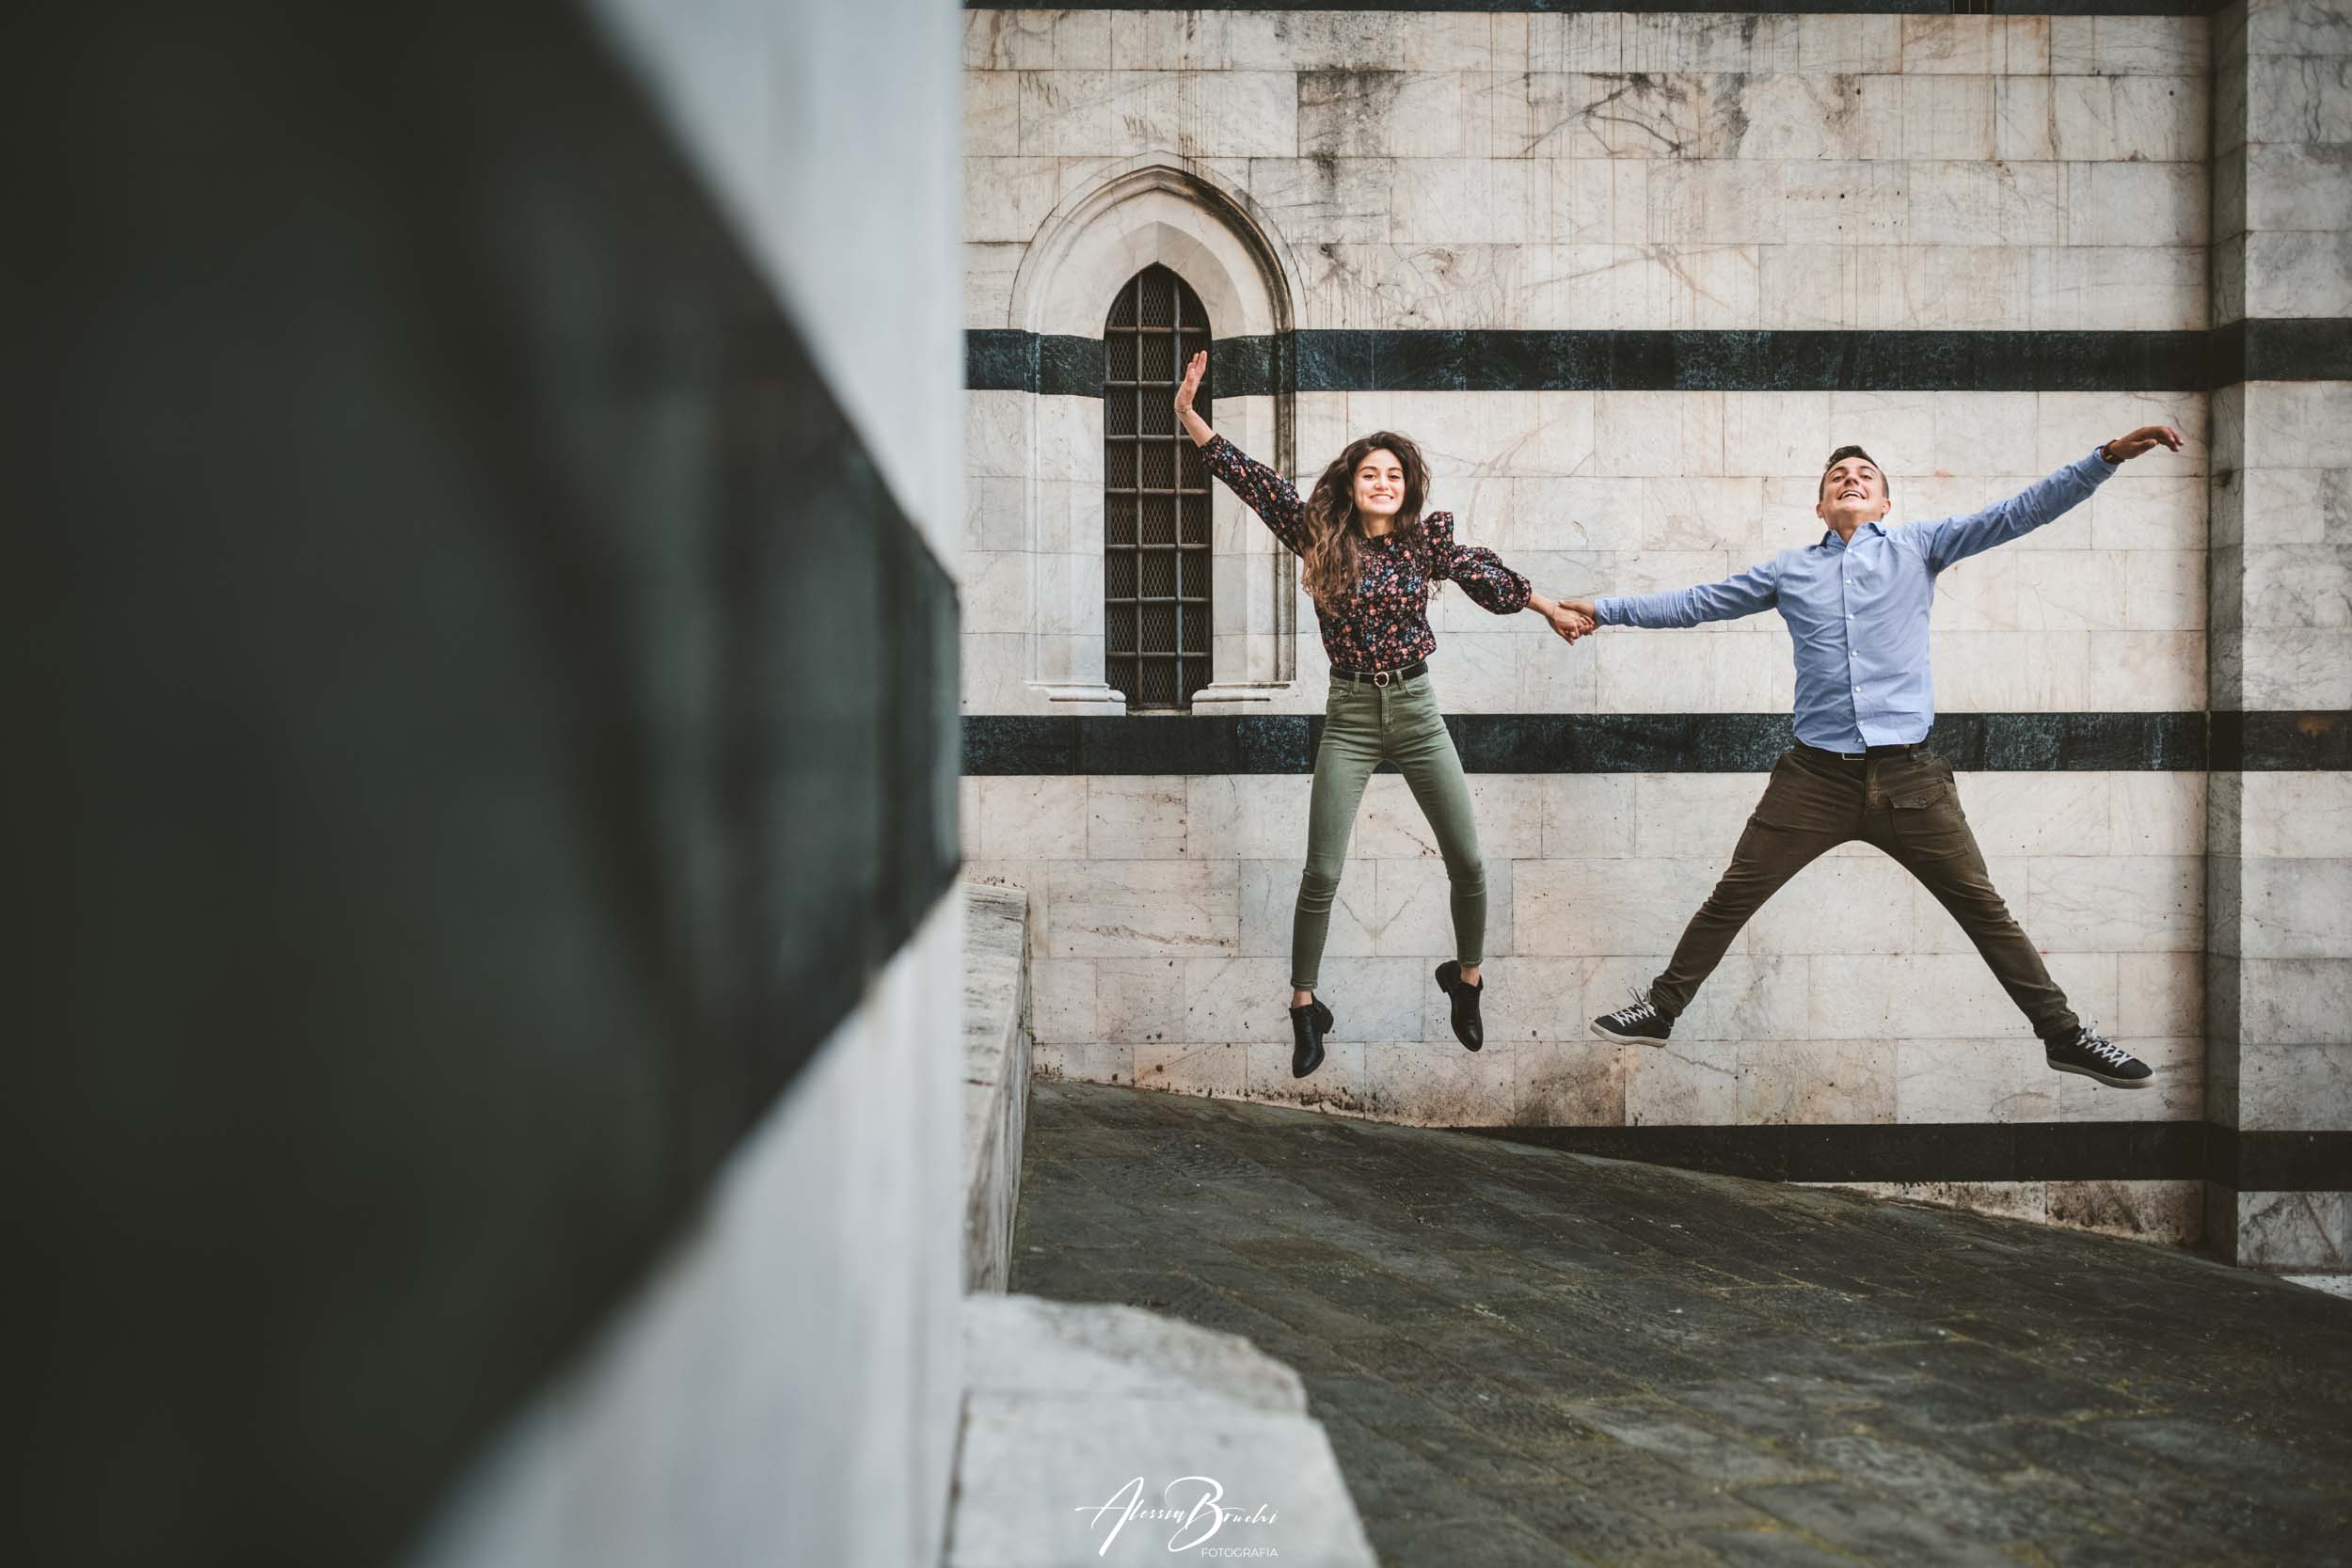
(1857, 605)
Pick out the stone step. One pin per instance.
(1101, 1434)
(995, 1075)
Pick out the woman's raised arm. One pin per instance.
(1195, 426)
(1264, 491)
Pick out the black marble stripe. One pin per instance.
(2259, 1162)
(1012, 744)
(1949, 1151)
(999, 359)
(1778, 7)
(2273, 1162)
(2317, 348)
(479, 721)
(1002, 360)
(2318, 742)
(1256, 367)
(1020, 744)
(1867, 361)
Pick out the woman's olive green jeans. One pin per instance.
(1362, 727)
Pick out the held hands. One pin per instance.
(2147, 438)
(1571, 618)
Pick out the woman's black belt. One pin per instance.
(1381, 677)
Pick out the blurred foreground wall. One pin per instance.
(480, 662)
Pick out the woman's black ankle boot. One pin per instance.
(1308, 1024)
(1466, 1025)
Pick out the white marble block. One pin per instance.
(1130, 908)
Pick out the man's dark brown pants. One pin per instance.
(1906, 804)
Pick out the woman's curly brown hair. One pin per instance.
(1335, 536)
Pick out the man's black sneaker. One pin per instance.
(2092, 1055)
(1466, 1025)
(1308, 1024)
(1639, 1024)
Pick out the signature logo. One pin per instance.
(1194, 1524)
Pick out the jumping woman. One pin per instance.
(1373, 563)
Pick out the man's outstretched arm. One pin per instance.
(1953, 539)
(1747, 593)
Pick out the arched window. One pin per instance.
(1156, 498)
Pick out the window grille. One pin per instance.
(1156, 498)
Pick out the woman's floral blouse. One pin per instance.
(1384, 622)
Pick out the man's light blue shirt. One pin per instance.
(1858, 611)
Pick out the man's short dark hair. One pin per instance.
(1840, 455)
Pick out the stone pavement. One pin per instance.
(1529, 1357)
